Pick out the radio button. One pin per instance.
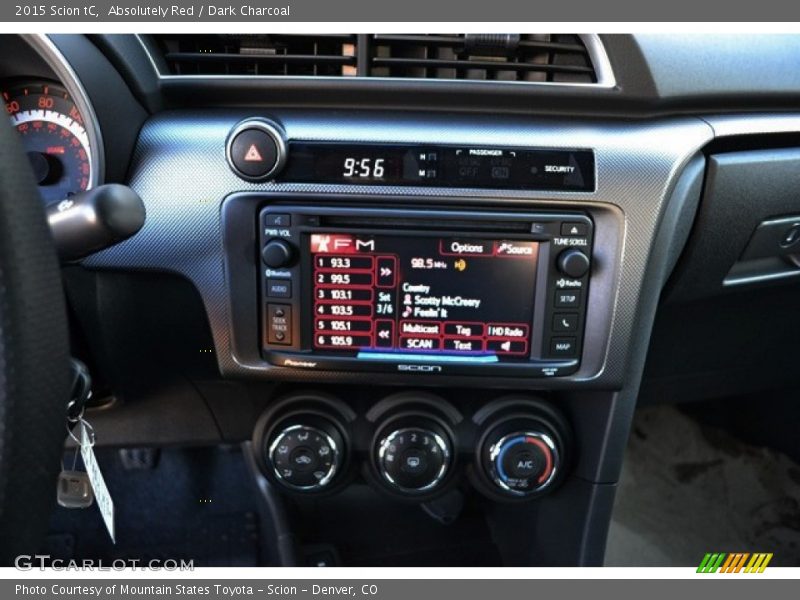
(567, 298)
(279, 288)
(563, 347)
(279, 324)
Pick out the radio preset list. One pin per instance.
(339, 295)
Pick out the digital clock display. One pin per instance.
(444, 166)
(364, 167)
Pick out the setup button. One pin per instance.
(567, 298)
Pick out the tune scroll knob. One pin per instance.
(414, 460)
(305, 458)
(277, 253)
(522, 462)
(573, 263)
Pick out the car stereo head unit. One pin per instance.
(451, 292)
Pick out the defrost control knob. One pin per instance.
(522, 462)
(305, 458)
(413, 459)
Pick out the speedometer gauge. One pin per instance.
(54, 137)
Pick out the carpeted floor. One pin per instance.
(688, 489)
(195, 503)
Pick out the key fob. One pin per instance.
(74, 490)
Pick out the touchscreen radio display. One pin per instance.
(394, 294)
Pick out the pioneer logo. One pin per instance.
(299, 363)
(420, 368)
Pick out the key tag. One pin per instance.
(94, 476)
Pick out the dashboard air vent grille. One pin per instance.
(297, 55)
(561, 58)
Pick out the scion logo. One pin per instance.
(420, 368)
(734, 562)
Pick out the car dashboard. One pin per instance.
(427, 270)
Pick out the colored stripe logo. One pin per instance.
(735, 562)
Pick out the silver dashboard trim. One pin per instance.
(45, 48)
(179, 170)
(594, 47)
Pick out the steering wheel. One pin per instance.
(34, 358)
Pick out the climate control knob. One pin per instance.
(306, 458)
(414, 459)
(573, 263)
(522, 462)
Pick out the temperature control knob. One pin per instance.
(305, 457)
(414, 459)
(522, 462)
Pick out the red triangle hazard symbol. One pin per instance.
(253, 155)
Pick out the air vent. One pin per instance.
(297, 55)
(536, 58)
(560, 58)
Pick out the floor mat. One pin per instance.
(196, 503)
(688, 489)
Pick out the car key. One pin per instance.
(74, 489)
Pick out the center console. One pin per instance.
(424, 324)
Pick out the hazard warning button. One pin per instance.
(256, 150)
